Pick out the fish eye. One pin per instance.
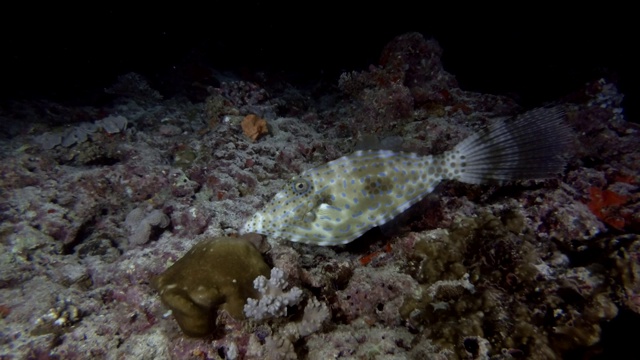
(300, 186)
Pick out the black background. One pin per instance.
(534, 53)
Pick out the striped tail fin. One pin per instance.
(530, 146)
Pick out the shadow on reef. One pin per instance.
(617, 341)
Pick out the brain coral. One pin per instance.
(216, 274)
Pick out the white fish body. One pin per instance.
(337, 202)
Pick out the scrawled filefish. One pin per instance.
(337, 202)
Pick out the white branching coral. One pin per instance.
(274, 300)
(315, 314)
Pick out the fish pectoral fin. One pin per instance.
(327, 210)
(328, 215)
(309, 217)
(322, 212)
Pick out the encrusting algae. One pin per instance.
(339, 201)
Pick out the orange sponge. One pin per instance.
(254, 127)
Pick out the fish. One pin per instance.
(337, 202)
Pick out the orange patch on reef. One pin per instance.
(254, 127)
(605, 204)
(366, 259)
(4, 311)
(627, 179)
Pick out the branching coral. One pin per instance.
(315, 314)
(274, 300)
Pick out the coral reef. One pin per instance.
(141, 224)
(216, 274)
(81, 133)
(134, 86)
(91, 210)
(273, 300)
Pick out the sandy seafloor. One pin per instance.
(92, 208)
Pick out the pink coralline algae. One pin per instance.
(533, 269)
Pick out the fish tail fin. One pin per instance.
(530, 146)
